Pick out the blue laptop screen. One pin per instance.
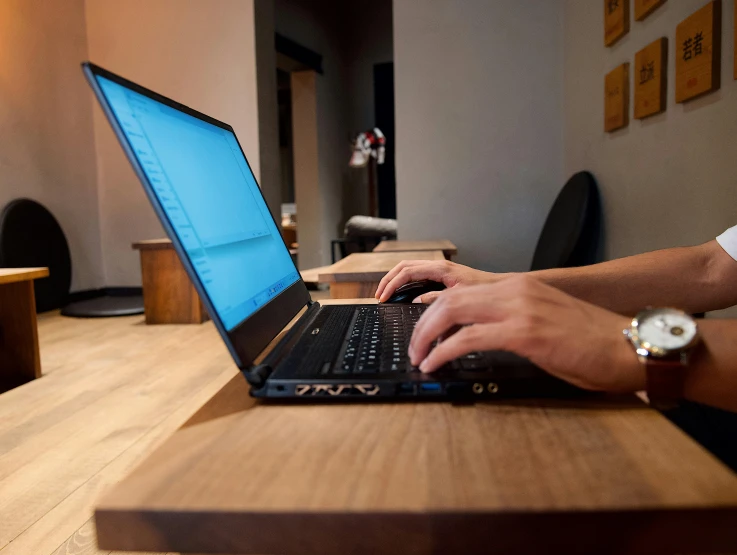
(212, 200)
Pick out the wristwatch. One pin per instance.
(664, 340)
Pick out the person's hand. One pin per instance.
(571, 339)
(443, 271)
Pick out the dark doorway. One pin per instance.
(384, 110)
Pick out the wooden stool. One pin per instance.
(168, 294)
(20, 360)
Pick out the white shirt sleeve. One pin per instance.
(728, 241)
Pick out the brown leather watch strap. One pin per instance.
(665, 378)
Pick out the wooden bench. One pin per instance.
(358, 274)
(20, 360)
(393, 245)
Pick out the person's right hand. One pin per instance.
(448, 273)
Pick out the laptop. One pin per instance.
(202, 189)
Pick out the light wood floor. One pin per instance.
(111, 391)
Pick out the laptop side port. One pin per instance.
(430, 388)
(406, 389)
(478, 388)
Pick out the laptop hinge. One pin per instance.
(257, 374)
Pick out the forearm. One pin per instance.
(694, 279)
(712, 375)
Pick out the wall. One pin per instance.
(47, 148)
(667, 180)
(478, 90)
(184, 49)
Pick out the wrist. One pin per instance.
(630, 373)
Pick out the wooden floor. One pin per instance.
(112, 390)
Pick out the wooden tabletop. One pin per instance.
(371, 266)
(394, 245)
(604, 475)
(13, 275)
(153, 244)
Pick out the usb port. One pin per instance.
(430, 388)
(406, 389)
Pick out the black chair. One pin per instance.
(571, 234)
(30, 236)
(362, 234)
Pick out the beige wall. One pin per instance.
(199, 52)
(478, 90)
(668, 180)
(46, 140)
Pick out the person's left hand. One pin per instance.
(571, 339)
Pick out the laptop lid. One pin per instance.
(202, 189)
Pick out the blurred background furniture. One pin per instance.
(572, 230)
(358, 274)
(20, 360)
(168, 294)
(393, 245)
(363, 234)
(30, 237)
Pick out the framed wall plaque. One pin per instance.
(616, 20)
(651, 79)
(617, 98)
(698, 52)
(644, 8)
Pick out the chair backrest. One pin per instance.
(30, 236)
(570, 236)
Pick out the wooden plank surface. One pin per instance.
(604, 475)
(372, 266)
(113, 389)
(394, 245)
(13, 275)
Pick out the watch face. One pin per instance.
(667, 329)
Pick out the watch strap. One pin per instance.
(665, 378)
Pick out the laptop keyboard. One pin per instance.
(376, 342)
(379, 339)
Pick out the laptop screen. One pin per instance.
(210, 196)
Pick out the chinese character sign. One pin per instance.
(651, 81)
(616, 20)
(698, 52)
(644, 8)
(616, 98)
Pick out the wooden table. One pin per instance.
(20, 360)
(604, 475)
(393, 245)
(168, 294)
(358, 274)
